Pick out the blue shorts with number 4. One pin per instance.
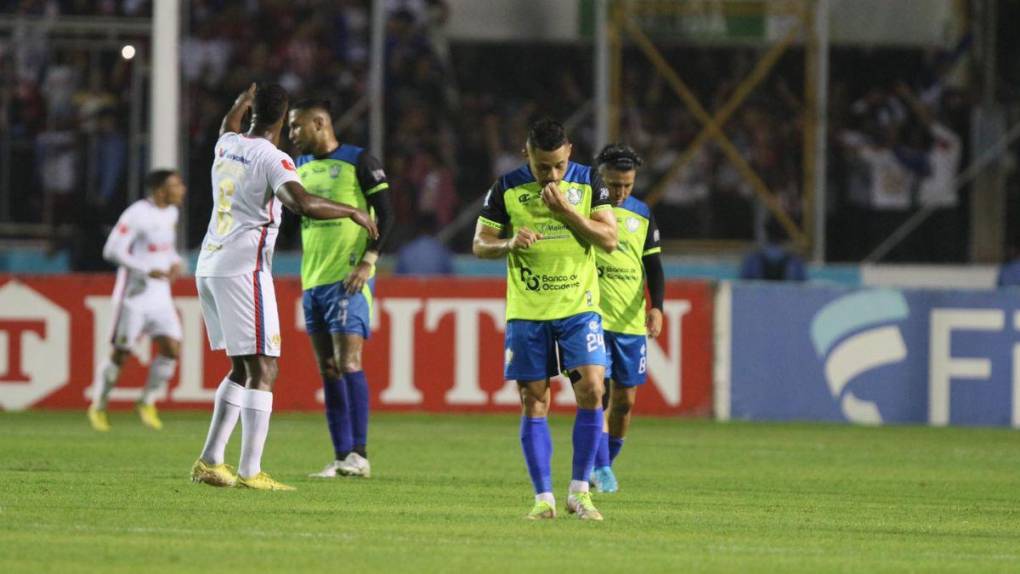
(329, 308)
(531, 346)
(628, 359)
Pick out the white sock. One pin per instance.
(160, 371)
(578, 486)
(547, 497)
(226, 409)
(104, 381)
(256, 407)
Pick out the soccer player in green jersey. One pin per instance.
(622, 277)
(548, 218)
(337, 270)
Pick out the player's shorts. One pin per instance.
(531, 346)
(328, 308)
(240, 314)
(627, 359)
(144, 315)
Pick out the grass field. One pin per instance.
(449, 494)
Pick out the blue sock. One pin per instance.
(602, 454)
(337, 418)
(537, 445)
(358, 408)
(587, 430)
(615, 445)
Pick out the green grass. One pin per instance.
(449, 494)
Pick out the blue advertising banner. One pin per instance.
(872, 356)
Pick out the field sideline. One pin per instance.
(449, 494)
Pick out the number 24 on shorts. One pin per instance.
(595, 340)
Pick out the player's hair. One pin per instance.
(547, 134)
(314, 104)
(270, 104)
(157, 177)
(618, 157)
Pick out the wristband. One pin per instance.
(370, 257)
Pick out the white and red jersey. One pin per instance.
(143, 240)
(246, 174)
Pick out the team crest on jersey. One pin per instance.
(334, 171)
(288, 165)
(574, 195)
(632, 224)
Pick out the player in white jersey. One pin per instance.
(251, 179)
(142, 245)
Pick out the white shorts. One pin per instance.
(240, 314)
(144, 315)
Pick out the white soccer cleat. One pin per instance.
(329, 472)
(354, 465)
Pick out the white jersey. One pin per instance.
(246, 174)
(937, 189)
(143, 240)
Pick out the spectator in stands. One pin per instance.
(773, 261)
(425, 255)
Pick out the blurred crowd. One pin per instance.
(456, 116)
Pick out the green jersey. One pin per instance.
(622, 272)
(556, 277)
(331, 248)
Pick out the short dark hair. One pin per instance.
(270, 104)
(547, 134)
(618, 157)
(157, 177)
(314, 104)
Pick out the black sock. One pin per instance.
(360, 449)
(342, 455)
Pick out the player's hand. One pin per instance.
(653, 322)
(159, 274)
(247, 97)
(175, 271)
(357, 278)
(524, 239)
(554, 200)
(362, 218)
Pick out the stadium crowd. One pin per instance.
(455, 115)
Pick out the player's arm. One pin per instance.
(294, 197)
(651, 260)
(372, 181)
(117, 249)
(232, 121)
(598, 229)
(489, 242)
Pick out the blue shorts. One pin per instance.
(628, 357)
(330, 308)
(531, 346)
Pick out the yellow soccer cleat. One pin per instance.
(98, 420)
(542, 511)
(580, 503)
(213, 474)
(261, 481)
(149, 416)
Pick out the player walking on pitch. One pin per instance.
(622, 276)
(337, 266)
(143, 246)
(235, 285)
(554, 214)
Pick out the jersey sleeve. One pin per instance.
(281, 170)
(600, 193)
(117, 249)
(494, 212)
(371, 175)
(652, 244)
